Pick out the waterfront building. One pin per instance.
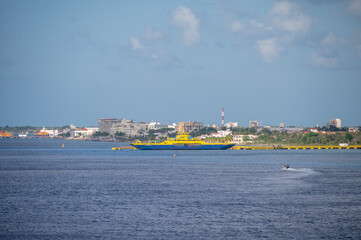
(92, 130)
(242, 139)
(188, 126)
(129, 128)
(105, 124)
(84, 132)
(253, 124)
(282, 125)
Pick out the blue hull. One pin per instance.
(184, 147)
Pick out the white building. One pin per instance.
(52, 133)
(221, 133)
(172, 126)
(244, 138)
(84, 132)
(353, 129)
(155, 126)
(231, 124)
(314, 130)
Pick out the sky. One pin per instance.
(74, 61)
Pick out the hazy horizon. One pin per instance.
(72, 62)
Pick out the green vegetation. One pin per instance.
(163, 130)
(20, 129)
(245, 130)
(119, 134)
(29, 129)
(310, 138)
(100, 134)
(203, 131)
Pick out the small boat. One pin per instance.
(286, 167)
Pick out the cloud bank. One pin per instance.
(184, 18)
(269, 49)
(135, 43)
(288, 16)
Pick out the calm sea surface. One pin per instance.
(87, 191)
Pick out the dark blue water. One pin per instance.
(88, 191)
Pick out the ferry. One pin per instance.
(183, 141)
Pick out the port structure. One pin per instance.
(295, 147)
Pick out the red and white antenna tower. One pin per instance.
(222, 116)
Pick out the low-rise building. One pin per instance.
(188, 126)
(231, 124)
(221, 133)
(242, 139)
(155, 126)
(314, 130)
(172, 126)
(47, 133)
(253, 124)
(83, 132)
(285, 129)
(353, 129)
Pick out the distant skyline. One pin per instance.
(72, 62)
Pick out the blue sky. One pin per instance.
(72, 62)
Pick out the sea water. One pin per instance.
(87, 191)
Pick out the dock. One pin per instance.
(318, 147)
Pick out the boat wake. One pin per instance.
(298, 169)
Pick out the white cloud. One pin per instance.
(326, 62)
(331, 40)
(287, 16)
(260, 25)
(183, 17)
(236, 26)
(152, 34)
(355, 7)
(135, 43)
(269, 49)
